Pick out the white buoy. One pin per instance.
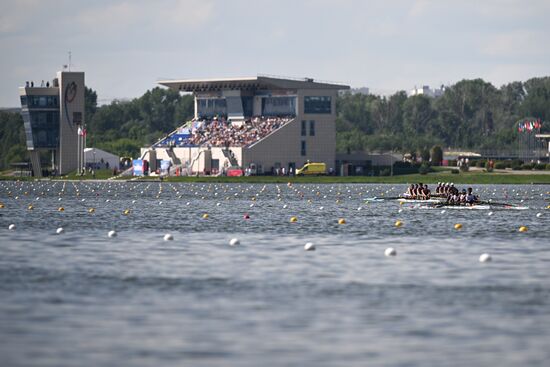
(285, 206)
(390, 251)
(359, 209)
(133, 201)
(321, 207)
(252, 205)
(11, 227)
(443, 211)
(60, 230)
(490, 213)
(400, 211)
(539, 215)
(218, 204)
(112, 234)
(483, 258)
(309, 246)
(168, 237)
(160, 202)
(234, 242)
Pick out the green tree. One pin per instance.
(436, 155)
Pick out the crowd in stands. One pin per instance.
(220, 132)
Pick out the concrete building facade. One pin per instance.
(306, 107)
(52, 115)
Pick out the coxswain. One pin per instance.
(470, 197)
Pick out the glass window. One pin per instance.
(210, 107)
(304, 128)
(248, 104)
(43, 129)
(279, 106)
(312, 128)
(303, 150)
(23, 101)
(318, 104)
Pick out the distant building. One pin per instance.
(362, 90)
(427, 91)
(53, 116)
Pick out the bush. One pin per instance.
(540, 166)
(500, 165)
(482, 163)
(527, 166)
(548, 166)
(385, 172)
(424, 169)
(516, 167)
(455, 171)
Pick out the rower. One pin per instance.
(426, 192)
(410, 190)
(415, 191)
(438, 188)
(462, 197)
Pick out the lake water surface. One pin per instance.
(83, 299)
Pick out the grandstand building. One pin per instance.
(259, 125)
(52, 116)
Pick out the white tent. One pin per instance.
(100, 158)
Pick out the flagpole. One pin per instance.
(78, 150)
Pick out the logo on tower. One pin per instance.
(70, 92)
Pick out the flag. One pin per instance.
(84, 132)
(79, 131)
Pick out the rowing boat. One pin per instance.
(471, 207)
(407, 200)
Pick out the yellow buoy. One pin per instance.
(401, 203)
(341, 221)
(458, 226)
(60, 209)
(398, 223)
(126, 212)
(293, 219)
(205, 216)
(91, 210)
(523, 229)
(30, 207)
(1, 206)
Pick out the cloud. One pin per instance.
(130, 14)
(518, 44)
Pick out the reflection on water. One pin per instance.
(82, 298)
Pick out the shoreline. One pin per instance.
(431, 178)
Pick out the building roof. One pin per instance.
(248, 83)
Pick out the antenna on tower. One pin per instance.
(70, 58)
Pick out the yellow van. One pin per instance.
(312, 169)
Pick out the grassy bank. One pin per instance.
(431, 178)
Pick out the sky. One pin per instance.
(125, 47)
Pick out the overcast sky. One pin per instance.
(126, 46)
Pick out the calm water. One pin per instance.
(81, 298)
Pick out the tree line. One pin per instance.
(471, 114)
